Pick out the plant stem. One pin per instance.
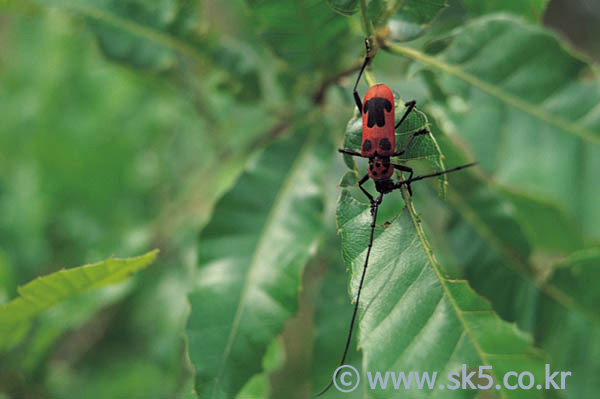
(370, 78)
(366, 23)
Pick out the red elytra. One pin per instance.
(378, 117)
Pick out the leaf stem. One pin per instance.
(370, 78)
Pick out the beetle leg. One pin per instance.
(403, 168)
(409, 142)
(371, 199)
(349, 152)
(363, 181)
(411, 106)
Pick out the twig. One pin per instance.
(367, 26)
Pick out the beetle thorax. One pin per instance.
(380, 168)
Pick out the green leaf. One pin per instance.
(344, 7)
(547, 228)
(148, 35)
(332, 316)
(163, 36)
(486, 209)
(307, 34)
(350, 178)
(530, 9)
(412, 317)
(546, 225)
(508, 230)
(535, 94)
(412, 18)
(258, 386)
(376, 9)
(251, 258)
(577, 277)
(423, 147)
(573, 338)
(573, 341)
(45, 292)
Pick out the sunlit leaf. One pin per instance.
(252, 254)
(44, 292)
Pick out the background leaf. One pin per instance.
(344, 7)
(251, 255)
(518, 108)
(412, 18)
(307, 34)
(573, 340)
(530, 9)
(165, 37)
(568, 276)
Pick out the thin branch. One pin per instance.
(367, 26)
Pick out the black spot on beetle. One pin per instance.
(367, 145)
(376, 108)
(374, 173)
(384, 144)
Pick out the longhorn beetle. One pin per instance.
(378, 145)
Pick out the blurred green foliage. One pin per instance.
(129, 125)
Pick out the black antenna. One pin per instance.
(443, 172)
(374, 208)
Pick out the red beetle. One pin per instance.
(378, 140)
